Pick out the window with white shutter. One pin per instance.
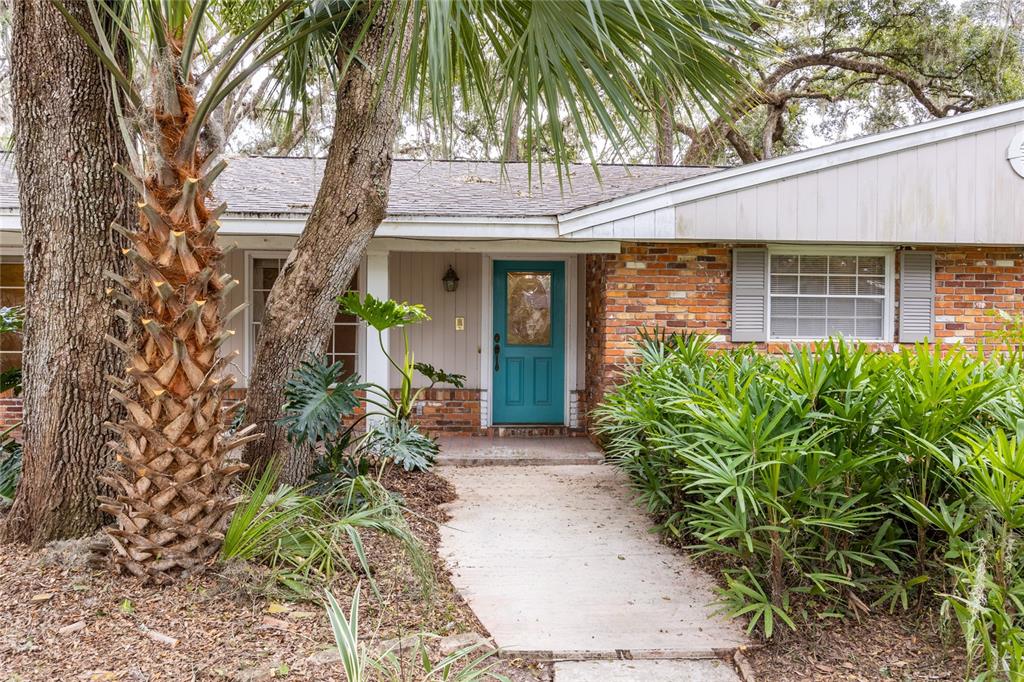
(917, 295)
(801, 294)
(749, 294)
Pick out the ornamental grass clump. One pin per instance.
(833, 480)
(307, 537)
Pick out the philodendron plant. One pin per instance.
(319, 397)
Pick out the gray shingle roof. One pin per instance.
(268, 185)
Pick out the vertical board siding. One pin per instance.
(944, 229)
(764, 222)
(867, 185)
(954, 191)
(235, 263)
(416, 278)
(827, 196)
(847, 220)
(984, 197)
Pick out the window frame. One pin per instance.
(888, 300)
(16, 256)
(248, 345)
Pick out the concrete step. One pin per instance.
(513, 451)
(645, 671)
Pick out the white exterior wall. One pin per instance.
(416, 278)
(235, 264)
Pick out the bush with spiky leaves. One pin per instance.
(833, 479)
(402, 662)
(302, 537)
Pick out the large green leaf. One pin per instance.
(439, 376)
(382, 314)
(398, 440)
(10, 464)
(588, 68)
(317, 398)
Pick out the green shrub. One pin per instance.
(10, 464)
(319, 398)
(833, 478)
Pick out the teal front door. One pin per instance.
(529, 342)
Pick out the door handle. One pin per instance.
(497, 351)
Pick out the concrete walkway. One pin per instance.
(558, 564)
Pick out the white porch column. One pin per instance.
(378, 369)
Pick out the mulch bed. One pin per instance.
(904, 646)
(64, 621)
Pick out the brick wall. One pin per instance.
(971, 281)
(449, 411)
(10, 410)
(689, 287)
(678, 287)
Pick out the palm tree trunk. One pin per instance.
(172, 499)
(67, 144)
(351, 203)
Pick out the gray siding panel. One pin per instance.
(917, 296)
(959, 190)
(749, 294)
(416, 278)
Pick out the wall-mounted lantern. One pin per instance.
(450, 279)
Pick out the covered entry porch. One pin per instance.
(508, 315)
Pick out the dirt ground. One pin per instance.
(906, 647)
(64, 621)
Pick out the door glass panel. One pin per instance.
(529, 308)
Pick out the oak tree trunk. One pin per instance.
(351, 203)
(67, 143)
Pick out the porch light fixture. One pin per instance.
(450, 279)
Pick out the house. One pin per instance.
(891, 238)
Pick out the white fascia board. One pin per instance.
(417, 227)
(794, 164)
(10, 221)
(459, 227)
(254, 224)
(490, 246)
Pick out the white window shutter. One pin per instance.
(749, 294)
(917, 296)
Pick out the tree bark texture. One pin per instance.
(664, 153)
(67, 142)
(351, 203)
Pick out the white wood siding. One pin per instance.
(959, 190)
(416, 278)
(235, 264)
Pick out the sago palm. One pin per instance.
(171, 500)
